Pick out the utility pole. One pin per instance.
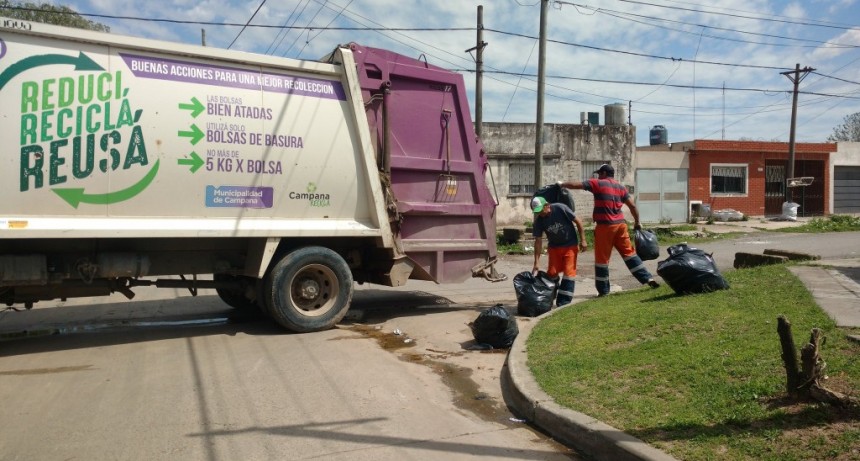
(479, 72)
(796, 76)
(724, 111)
(203, 37)
(544, 6)
(630, 112)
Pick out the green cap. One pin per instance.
(537, 204)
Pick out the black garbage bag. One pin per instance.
(647, 246)
(495, 326)
(554, 193)
(690, 270)
(535, 293)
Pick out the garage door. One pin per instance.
(846, 189)
(661, 195)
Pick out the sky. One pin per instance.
(701, 71)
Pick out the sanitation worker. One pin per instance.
(610, 230)
(565, 238)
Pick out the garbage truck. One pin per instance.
(279, 183)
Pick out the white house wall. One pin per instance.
(847, 154)
(564, 149)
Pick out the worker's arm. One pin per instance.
(633, 211)
(572, 184)
(538, 250)
(583, 245)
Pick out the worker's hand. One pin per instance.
(535, 269)
(583, 245)
(637, 227)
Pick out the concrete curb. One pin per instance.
(587, 435)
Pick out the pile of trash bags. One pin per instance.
(690, 270)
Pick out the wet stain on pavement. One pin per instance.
(387, 340)
(45, 371)
(466, 392)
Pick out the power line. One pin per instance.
(837, 78)
(784, 21)
(239, 24)
(624, 16)
(284, 29)
(246, 24)
(298, 36)
(820, 21)
(641, 55)
(694, 87)
(339, 13)
(400, 30)
(424, 29)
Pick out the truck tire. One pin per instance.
(237, 299)
(309, 289)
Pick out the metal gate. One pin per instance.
(661, 195)
(846, 189)
(810, 198)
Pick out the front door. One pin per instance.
(774, 186)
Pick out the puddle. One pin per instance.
(386, 339)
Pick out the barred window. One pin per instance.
(590, 166)
(728, 179)
(521, 180)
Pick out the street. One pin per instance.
(188, 378)
(170, 376)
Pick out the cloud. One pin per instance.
(591, 51)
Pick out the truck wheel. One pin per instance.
(309, 289)
(236, 298)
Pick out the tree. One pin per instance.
(49, 14)
(849, 130)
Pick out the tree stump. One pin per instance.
(808, 382)
(789, 355)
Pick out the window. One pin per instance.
(590, 166)
(521, 179)
(728, 179)
(774, 181)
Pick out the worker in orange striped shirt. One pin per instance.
(610, 230)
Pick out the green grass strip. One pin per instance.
(701, 376)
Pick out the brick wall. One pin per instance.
(754, 154)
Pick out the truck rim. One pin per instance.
(314, 289)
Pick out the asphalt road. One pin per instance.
(177, 377)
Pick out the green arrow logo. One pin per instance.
(195, 134)
(195, 161)
(77, 196)
(196, 107)
(81, 63)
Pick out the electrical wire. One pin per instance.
(642, 55)
(626, 16)
(783, 21)
(246, 24)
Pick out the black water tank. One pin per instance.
(659, 135)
